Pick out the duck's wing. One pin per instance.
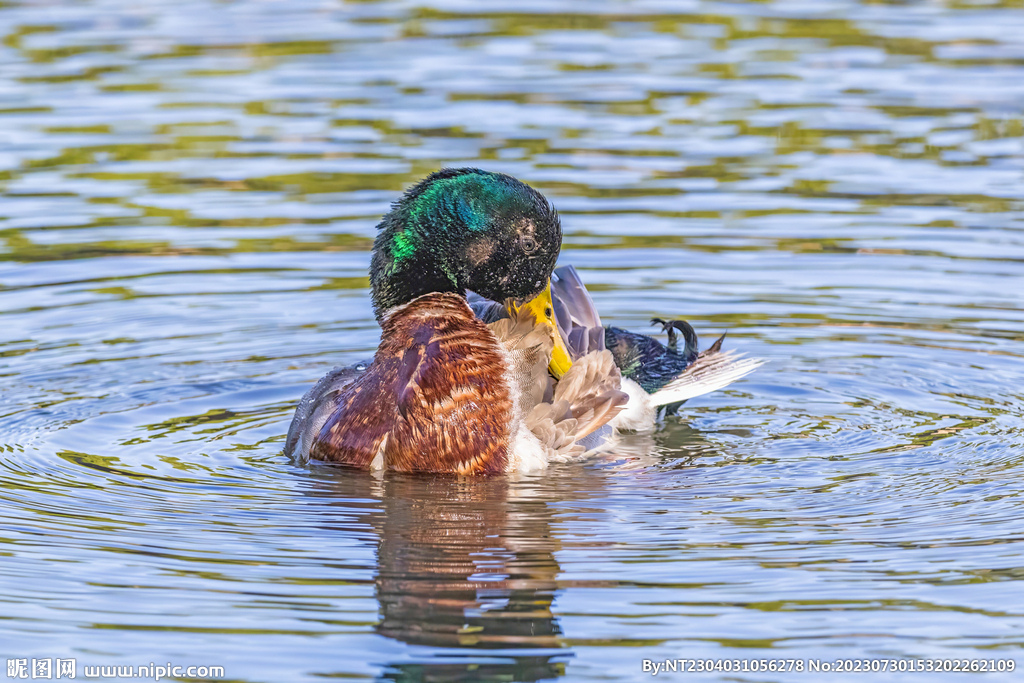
(486, 310)
(591, 388)
(574, 305)
(578, 320)
(581, 403)
(316, 408)
(575, 420)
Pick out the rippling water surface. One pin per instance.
(188, 191)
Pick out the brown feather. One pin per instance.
(583, 401)
(528, 344)
(592, 388)
(436, 390)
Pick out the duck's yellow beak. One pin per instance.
(543, 311)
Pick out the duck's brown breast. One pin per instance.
(435, 398)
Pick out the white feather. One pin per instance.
(707, 374)
(639, 414)
(528, 454)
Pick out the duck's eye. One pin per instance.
(528, 244)
(547, 312)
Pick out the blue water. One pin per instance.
(188, 193)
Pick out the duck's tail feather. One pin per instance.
(670, 327)
(710, 372)
(714, 348)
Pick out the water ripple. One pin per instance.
(188, 193)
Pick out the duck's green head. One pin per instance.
(463, 228)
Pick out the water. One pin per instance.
(189, 190)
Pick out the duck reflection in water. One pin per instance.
(465, 565)
(468, 565)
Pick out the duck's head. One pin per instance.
(464, 228)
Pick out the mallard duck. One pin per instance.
(446, 392)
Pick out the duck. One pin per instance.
(447, 392)
(658, 378)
